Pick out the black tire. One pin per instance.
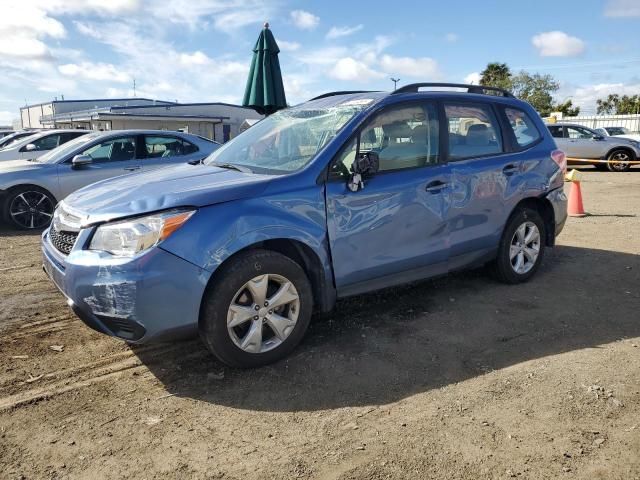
(614, 166)
(222, 291)
(38, 208)
(501, 267)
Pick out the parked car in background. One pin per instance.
(36, 145)
(582, 145)
(30, 189)
(15, 136)
(344, 194)
(620, 132)
(4, 133)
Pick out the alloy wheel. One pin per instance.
(263, 313)
(619, 162)
(525, 248)
(31, 209)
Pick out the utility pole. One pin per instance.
(395, 83)
(134, 87)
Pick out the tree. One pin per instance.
(567, 109)
(496, 75)
(619, 105)
(536, 89)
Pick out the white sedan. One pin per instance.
(621, 132)
(33, 146)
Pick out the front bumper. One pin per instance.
(154, 296)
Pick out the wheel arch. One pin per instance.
(324, 293)
(624, 148)
(545, 209)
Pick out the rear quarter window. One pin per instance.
(524, 129)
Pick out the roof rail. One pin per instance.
(344, 92)
(481, 89)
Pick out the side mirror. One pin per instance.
(30, 147)
(598, 137)
(80, 161)
(365, 165)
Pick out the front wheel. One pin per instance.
(257, 309)
(618, 161)
(521, 248)
(29, 208)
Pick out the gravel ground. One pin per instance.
(458, 377)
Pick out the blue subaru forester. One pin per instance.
(347, 193)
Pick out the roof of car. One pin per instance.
(441, 90)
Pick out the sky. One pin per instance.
(200, 50)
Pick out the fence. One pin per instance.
(631, 122)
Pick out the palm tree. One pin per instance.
(496, 75)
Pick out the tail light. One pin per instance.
(560, 158)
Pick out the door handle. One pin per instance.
(435, 187)
(132, 169)
(510, 169)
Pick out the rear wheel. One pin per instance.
(257, 310)
(521, 248)
(618, 161)
(29, 208)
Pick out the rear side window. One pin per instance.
(524, 129)
(556, 131)
(473, 131)
(163, 147)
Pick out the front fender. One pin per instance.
(217, 232)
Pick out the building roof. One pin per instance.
(102, 100)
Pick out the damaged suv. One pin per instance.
(343, 194)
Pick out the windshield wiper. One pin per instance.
(231, 166)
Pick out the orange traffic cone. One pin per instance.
(575, 208)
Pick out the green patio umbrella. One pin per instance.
(265, 91)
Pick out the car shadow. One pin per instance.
(382, 347)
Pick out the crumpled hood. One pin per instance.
(7, 166)
(160, 189)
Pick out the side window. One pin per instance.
(556, 131)
(47, 143)
(402, 136)
(162, 147)
(579, 133)
(113, 150)
(524, 129)
(473, 131)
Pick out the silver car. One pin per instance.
(583, 145)
(36, 145)
(30, 189)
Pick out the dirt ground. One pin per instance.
(459, 377)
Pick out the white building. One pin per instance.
(217, 121)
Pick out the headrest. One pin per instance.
(478, 135)
(397, 130)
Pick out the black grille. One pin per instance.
(63, 241)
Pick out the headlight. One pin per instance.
(136, 235)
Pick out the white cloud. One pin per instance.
(622, 8)
(195, 58)
(338, 32)
(304, 20)
(422, 67)
(95, 71)
(473, 78)
(557, 44)
(288, 46)
(6, 118)
(452, 37)
(585, 96)
(352, 70)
